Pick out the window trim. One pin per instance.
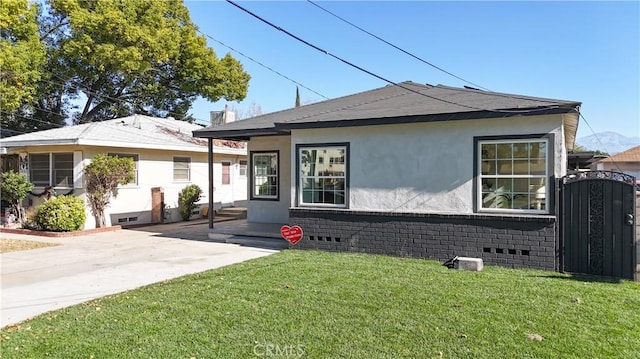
(174, 169)
(252, 195)
(549, 176)
(347, 177)
(136, 169)
(51, 181)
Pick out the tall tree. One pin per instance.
(22, 55)
(297, 97)
(116, 58)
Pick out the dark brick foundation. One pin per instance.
(511, 241)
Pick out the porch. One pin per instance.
(252, 234)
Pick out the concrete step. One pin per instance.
(236, 212)
(258, 242)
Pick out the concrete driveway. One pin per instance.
(91, 266)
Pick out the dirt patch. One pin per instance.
(14, 245)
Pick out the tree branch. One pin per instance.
(54, 28)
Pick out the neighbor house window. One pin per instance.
(513, 175)
(226, 172)
(135, 164)
(243, 168)
(322, 183)
(182, 169)
(264, 177)
(51, 169)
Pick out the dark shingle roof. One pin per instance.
(407, 102)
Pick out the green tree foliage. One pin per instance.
(124, 57)
(187, 199)
(22, 55)
(14, 189)
(102, 176)
(61, 214)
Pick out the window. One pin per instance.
(135, 164)
(39, 169)
(264, 184)
(321, 183)
(226, 173)
(513, 175)
(51, 169)
(182, 169)
(243, 168)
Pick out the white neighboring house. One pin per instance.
(167, 159)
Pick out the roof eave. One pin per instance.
(239, 135)
(284, 128)
(39, 142)
(473, 115)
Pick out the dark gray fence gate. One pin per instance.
(597, 220)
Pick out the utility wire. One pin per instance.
(263, 65)
(376, 75)
(337, 57)
(100, 95)
(600, 142)
(396, 47)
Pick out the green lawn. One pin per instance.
(325, 305)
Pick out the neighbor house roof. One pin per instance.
(137, 131)
(630, 155)
(406, 102)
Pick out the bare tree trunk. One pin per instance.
(100, 220)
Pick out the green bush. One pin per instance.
(187, 199)
(61, 214)
(14, 188)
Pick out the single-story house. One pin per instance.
(626, 162)
(167, 158)
(413, 170)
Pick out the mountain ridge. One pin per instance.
(608, 141)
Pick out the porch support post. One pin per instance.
(210, 160)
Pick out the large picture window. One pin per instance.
(51, 169)
(264, 180)
(513, 175)
(323, 175)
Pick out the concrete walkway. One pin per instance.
(91, 266)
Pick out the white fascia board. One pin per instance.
(230, 151)
(200, 149)
(27, 143)
(141, 145)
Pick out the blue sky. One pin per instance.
(582, 51)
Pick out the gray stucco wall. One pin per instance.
(268, 211)
(422, 167)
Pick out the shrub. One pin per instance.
(61, 214)
(14, 188)
(187, 200)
